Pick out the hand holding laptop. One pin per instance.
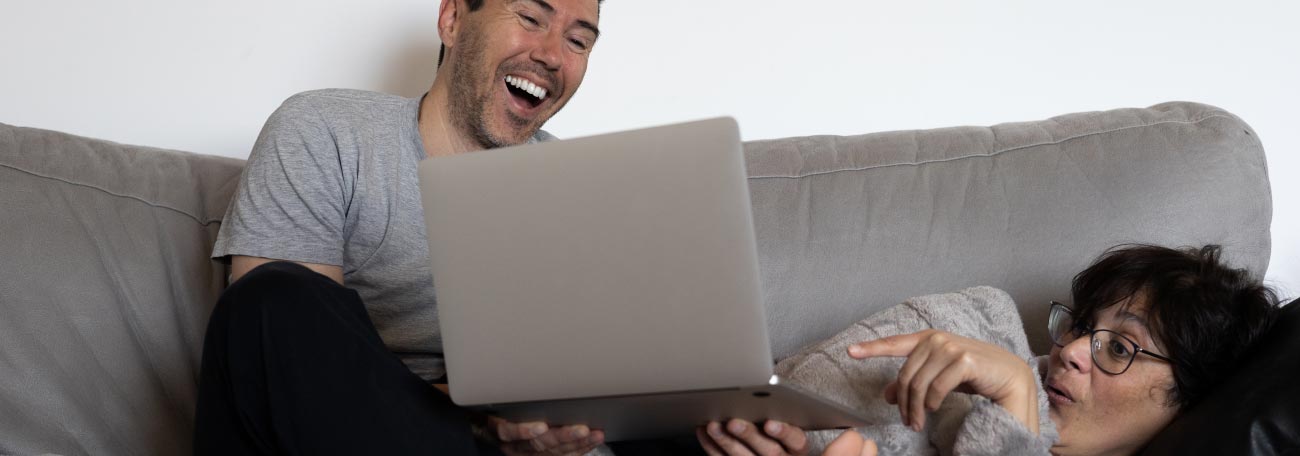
(538, 438)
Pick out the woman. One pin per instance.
(1151, 331)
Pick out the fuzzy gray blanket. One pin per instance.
(964, 424)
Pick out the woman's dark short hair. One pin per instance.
(1206, 314)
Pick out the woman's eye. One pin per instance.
(1118, 349)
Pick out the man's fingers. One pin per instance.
(752, 437)
(728, 444)
(707, 443)
(548, 440)
(900, 345)
(575, 433)
(514, 432)
(792, 438)
(580, 445)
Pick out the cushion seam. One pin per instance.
(991, 154)
(142, 200)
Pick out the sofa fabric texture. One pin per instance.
(105, 290)
(106, 284)
(848, 226)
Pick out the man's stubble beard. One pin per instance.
(468, 106)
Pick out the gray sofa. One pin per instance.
(106, 285)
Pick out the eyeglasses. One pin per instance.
(1112, 352)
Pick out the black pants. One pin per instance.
(292, 365)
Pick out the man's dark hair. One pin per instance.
(474, 5)
(1205, 313)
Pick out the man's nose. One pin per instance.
(548, 50)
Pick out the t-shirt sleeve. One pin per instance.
(292, 197)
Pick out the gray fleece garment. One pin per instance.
(964, 424)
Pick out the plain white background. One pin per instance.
(202, 76)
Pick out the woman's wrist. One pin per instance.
(1022, 400)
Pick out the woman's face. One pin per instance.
(1100, 413)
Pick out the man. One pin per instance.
(327, 339)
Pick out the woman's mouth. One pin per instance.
(1058, 396)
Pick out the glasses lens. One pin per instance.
(1060, 324)
(1112, 352)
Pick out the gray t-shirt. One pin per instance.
(332, 180)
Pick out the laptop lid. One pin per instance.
(609, 265)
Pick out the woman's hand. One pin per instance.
(939, 363)
(850, 443)
(741, 437)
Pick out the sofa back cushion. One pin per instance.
(848, 226)
(105, 290)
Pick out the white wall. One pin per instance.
(203, 75)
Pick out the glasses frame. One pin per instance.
(1092, 339)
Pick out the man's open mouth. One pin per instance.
(526, 91)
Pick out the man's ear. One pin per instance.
(448, 21)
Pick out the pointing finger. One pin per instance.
(900, 345)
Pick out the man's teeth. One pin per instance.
(524, 85)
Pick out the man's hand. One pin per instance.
(741, 437)
(939, 363)
(538, 438)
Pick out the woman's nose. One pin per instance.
(1077, 354)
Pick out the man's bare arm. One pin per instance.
(240, 265)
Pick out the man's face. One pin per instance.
(1100, 413)
(516, 63)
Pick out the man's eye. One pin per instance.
(582, 46)
(529, 19)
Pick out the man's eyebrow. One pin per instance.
(543, 5)
(551, 10)
(589, 26)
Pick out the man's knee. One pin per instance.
(280, 286)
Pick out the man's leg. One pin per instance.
(293, 365)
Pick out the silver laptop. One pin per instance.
(610, 281)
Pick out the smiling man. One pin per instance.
(327, 340)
